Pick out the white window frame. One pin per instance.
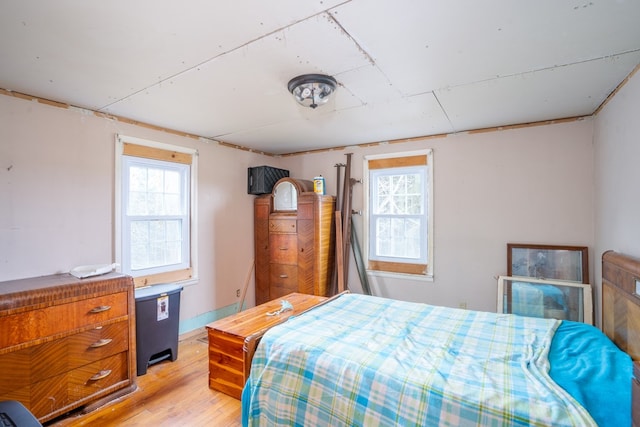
(185, 273)
(372, 266)
(128, 219)
(586, 310)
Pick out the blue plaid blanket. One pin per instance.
(369, 361)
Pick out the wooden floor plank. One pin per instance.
(169, 394)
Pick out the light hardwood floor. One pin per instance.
(169, 394)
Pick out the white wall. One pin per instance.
(532, 184)
(617, 173)
(525, 185)
(57, 196)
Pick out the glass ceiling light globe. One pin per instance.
(312, 90)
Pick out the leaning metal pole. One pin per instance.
(346, 217)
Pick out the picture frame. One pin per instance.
(544, 298)
(555, 262)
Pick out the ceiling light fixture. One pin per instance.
(312, 90)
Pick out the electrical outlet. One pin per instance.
(237, 293)
(463, 305)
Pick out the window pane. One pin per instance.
(139, 257)
(172, 182)
(155, 204)
(154, 191)
(414, 184)
(138, 178)
(398, 194)
(137, 203)
(173, 254)
(174, 231)
(172, 204)
(139, 243)
(156, 180)
(140, 232)
(155, 243)
(398, 237)
(156, 254)
(156, 231)
(414, 205)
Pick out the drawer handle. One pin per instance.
(284, 248)
(100, 309)
(283, 276)
(100, 375)
(101, 343)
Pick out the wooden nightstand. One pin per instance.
(232, 340)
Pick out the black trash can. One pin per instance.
(157, 321)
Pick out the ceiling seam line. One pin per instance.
(360, 48)
(553, 67)
(226, 52)
(453, 128)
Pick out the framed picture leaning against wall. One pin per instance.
(570, 263)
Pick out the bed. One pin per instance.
(362, 360)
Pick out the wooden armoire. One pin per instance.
(294, 240)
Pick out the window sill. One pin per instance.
(401, 276)
(189, 282)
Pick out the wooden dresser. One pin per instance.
(232, 340)
(294, 240)
(66, 342)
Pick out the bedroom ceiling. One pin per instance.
(405, 68)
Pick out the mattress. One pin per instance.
(363, 360)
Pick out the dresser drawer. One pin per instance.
(94, 378)
(283, 248)
(33, 364)
(28, 326)
(284, 278)
(53, 394)
(98, 343)
(282, 225)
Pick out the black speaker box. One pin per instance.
(261, 179)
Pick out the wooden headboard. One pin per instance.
(621, 312)
(620, 303)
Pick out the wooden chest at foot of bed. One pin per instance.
(232, 340)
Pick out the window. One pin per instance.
(399, 213)
(155, 227)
